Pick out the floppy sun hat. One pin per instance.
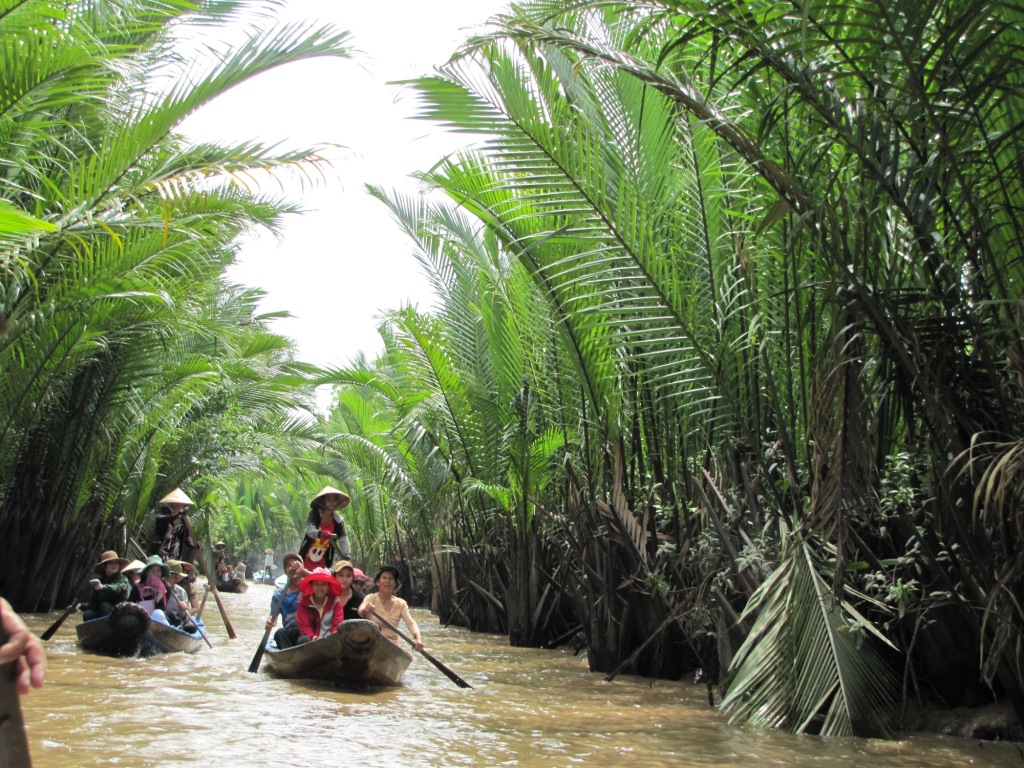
(157, 560)
(110, 556)
(324, 575)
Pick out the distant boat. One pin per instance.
(232, 585)
(129, 632)
(356, 653)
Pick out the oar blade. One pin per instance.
(450, 673)
(52, 630)
(254, 666)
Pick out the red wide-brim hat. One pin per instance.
(320, 574)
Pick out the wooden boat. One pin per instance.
(356, 653)
(129, 632)
(233, 585)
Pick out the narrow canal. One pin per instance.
(528, 708)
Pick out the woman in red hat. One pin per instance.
(319, 612)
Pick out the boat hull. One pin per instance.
(129, 632)
(356, 653)
(237, 586)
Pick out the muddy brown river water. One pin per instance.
(528, 708)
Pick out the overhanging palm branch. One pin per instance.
(808, 664)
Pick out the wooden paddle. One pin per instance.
(210, 581)
(206, 594)
(450, 674)
(254, 666)
(60, 620)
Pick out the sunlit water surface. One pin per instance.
(528, 708)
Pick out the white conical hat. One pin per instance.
(328, 490)
(177, 496)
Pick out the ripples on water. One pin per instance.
(528, 708)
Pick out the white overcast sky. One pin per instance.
(338, 266)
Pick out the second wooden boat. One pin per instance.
(356, 653)
(129, 632)
(233, 585)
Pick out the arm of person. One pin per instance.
(365, 606)
(23, 648)
(313, 525)
(275, 603)
(115, 592)
(337, 615)
(412, 626)
(302, 621)
(343, 545)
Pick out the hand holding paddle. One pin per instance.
(184, 610)
(449, 673)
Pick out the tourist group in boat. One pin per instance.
(320, 593)
(163, 586)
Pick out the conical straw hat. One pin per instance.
(328, 490)
(177, 496)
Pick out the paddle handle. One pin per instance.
(448, 672)
(206, 594)
(184, 609)
(210, 580)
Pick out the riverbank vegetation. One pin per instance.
(724, 372)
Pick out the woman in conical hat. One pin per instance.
(170, 534)
(325, 530)
(175, 498)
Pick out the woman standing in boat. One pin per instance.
(325, 529)
(392, 608)
(349, 597)
(319, 613)
(170, 535)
